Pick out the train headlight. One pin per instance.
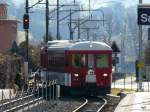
(105, 75)
(76, 75)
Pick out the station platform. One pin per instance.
(135, 102)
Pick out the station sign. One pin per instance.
(148, 33)
(144, 14)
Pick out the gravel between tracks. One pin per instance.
(61, 105)
(112, 102)
(67, 105)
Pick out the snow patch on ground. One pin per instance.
(6, 94)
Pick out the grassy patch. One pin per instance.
(115, 91)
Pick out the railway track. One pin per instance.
(92, 104)
(18, 103)
(18, 95)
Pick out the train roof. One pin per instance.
(77, 45)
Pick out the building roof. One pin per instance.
(10, 20)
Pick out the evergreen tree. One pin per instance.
(14, 47)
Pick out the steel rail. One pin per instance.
(23, 105)
(86, 102)
(81, 106)
(14, 101)
(105, 103)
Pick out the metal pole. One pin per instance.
(71, 36)
(124, 83)
(148, 85)
(88, 34)
(27, 5)
(57, 90)
(50, 94)
(140, 53)
(131, 81)
(115, 56)
(114, 80)
(58, 36)
(27, 40)
(27, 32)
(9, 93)
(2, 96)
(38, 91)
(46, 89)
(115, 63)
(47, 21)
(89, 5)
(123, 53)
(78, 28)
(53, 90)
(42, 90)
(27, 52)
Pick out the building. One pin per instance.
(8, 29)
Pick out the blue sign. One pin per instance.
(148, 33)
(143, 15)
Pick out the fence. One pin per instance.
(129, 81)
(48, 90)
(38, 97)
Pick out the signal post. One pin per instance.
(26, 29)
(143, 19)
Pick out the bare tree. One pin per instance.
(109, 25)
(133, 28)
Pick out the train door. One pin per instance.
(90, 76)
(90, 61)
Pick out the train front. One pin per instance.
(79, 67)
(90, 68)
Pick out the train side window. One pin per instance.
(102, 61)
(78, 60)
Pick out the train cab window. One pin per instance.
(102, 61)
(90, 61)
(78, 60)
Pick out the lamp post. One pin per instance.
(47, 21)
(140, 53)
(27, 40)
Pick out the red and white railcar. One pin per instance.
(84, 66)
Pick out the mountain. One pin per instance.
(120, 24)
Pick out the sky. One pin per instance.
(94, 3)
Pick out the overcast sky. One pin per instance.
(94, 3)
